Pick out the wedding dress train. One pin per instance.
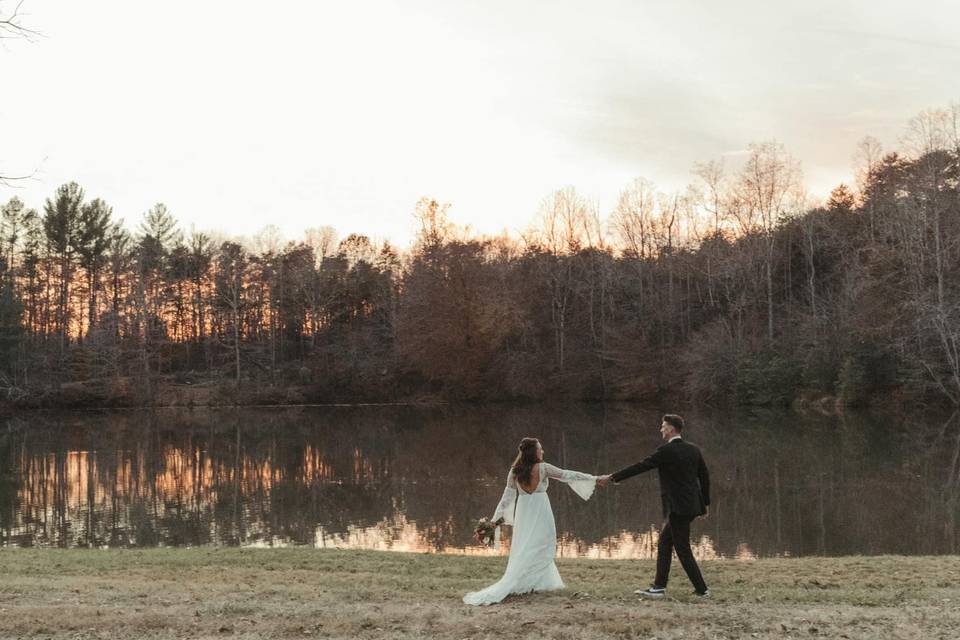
(531, 565)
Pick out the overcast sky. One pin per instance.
(301, 114)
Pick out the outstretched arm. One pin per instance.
(652, 461)
(504, 508)
(566, 475)
(582, 484)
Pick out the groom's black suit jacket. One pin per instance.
(684, 480)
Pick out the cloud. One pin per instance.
(661, 123)
(923, 43)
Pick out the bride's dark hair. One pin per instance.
(526, 458)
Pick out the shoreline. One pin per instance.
(164, 393)
(467, 552)
(302, 592)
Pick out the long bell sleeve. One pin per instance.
(507, 501)
(583, 484)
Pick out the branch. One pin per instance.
(954, 399)
(9, 181)
(10, 26)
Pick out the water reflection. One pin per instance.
(409, 479)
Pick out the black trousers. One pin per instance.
(675, 536)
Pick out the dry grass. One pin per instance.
(305, 593)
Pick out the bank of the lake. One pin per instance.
(172, 391)
(298, 592)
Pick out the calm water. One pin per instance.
(415, 479)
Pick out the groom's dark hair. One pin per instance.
(674, 421)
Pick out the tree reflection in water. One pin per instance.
(414, 479)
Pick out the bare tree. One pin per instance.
(934, 141)
(323, 241)
(268, 240)
(715, 191)
(868, 155)
(769, 189)
(568, 223)
(230, 287)
(929, 135)
(633, 219)
(435, 227)
(712, 194)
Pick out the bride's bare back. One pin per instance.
(533, 544)
(534, 480)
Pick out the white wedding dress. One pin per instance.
(533, 547)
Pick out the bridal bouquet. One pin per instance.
(486, 530)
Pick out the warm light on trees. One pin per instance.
(732, 290)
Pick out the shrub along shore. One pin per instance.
(300, 592)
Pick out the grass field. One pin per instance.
(306, 593)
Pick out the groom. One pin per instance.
(685, 491)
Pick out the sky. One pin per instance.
(238, 114)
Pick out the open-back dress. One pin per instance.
(531, 565)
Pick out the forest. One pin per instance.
(733, 291)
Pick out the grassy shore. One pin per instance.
(298, 593)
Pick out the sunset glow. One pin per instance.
(239, 115)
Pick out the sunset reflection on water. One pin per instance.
(415, 480)
(403, 535)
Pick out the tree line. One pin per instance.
(733, 290)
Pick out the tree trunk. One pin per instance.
(769, 296)
(92, 310)
(64, 302)
(236, 338)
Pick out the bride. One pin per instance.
(525, 505)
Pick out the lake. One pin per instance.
(416, 479)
